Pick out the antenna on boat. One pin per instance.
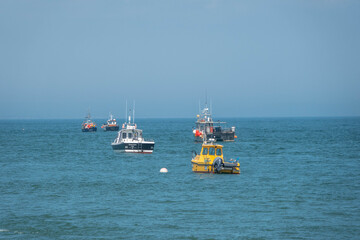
(130, 115)
(88, 115)
(134, 112)
(206, 98)
(126, 111)
(210, 107)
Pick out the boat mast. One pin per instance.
(129, 116)
(88, 115)
(134, 112)
(206, 107)
(206, 98)
(126, 111)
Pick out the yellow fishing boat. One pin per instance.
(211, 160)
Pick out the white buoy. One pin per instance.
(163, 170)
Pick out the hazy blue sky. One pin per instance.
(254, 58)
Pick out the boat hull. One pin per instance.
(111, 128)
(93, 129)
(208, 168)
(219, 137)
(144, 147)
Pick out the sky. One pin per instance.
(255, 58)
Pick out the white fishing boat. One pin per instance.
(130, 139)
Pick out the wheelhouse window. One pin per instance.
(205, 151)
(129, 135)
(212, 151)
(124, 135)
(218, 152)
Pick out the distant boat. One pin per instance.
(206, 128)
(111, 124)
(88, 125)
(130, 140)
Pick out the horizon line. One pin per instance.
(247, 117)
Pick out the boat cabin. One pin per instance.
(211, 151)
(129, 135)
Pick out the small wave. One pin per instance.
(4, 230)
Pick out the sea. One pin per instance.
(300, 179)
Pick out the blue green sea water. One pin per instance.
(300, 179)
